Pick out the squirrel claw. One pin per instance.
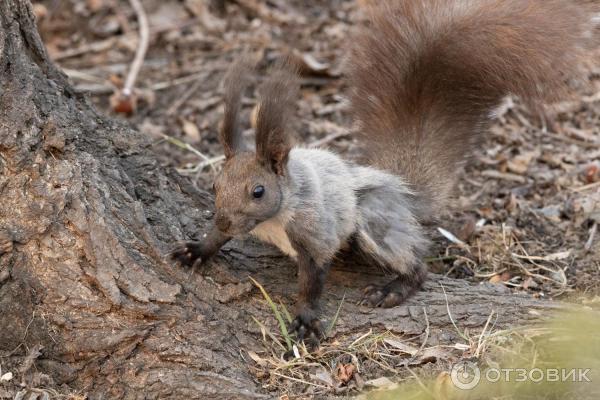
(187, 254)
(308, 329)
(381, 296)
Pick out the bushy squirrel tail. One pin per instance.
(427, 75)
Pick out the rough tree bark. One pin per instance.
(86, 216)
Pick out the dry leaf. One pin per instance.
(257, 359)
(499, 278)
(147, 127)
(486, 212)
(530, 283)
(191, 131)
(461, 346)
(493, 174)
(323, 376)
(123, 104)
(557, 256)
(430, 354)
(309, 65)
(116, 80)
(40, 11)
(345, 372)
(167, 13)
(520, 163)
(406, 348)
(552, 212)
(382, 382)
(511, 203)
(467, 230)
(200, 9)
(591, 173)
(95, 5)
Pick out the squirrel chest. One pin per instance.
(273, 231)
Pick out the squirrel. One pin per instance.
(425, 78)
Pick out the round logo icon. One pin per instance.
(465, 375)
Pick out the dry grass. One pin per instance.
(503, 255)
(285, 365)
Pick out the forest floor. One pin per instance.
(528, 205)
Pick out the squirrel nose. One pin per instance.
(222, 222)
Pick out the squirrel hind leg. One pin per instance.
(390, 236)
(388, 233)
(397, 251)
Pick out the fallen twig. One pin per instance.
(586, 187)
(414, 357)
(186, 146)
(179, 81)
(588, 244)
(481, 341)
(329, 138)
(491, 173)
(461, 334)
(140, 54)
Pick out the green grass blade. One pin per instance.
(275, 309)
(288, 316)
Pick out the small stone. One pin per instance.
(6, 377)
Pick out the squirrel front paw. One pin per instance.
(308, 328)
(191, 254)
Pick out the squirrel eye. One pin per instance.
(258, 191)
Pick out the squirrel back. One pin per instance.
(427, 75)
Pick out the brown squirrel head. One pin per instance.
(250, 187)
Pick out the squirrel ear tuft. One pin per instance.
(235, 82)
(277, 156)
(278, 94)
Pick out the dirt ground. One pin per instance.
(528, 207)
